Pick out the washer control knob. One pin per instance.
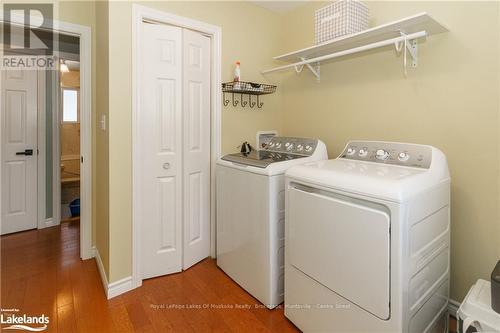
(351, 151)
(403, 157)
(381, 154)
(271, 145)
(289, 147)
(300, 147)
(363, 152)
(308, 148)
(278, 145)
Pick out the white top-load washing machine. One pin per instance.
(368, 240)
(250, 213)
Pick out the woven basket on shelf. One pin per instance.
(343, 17)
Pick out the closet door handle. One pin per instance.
(166, 166)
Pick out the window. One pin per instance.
(70, 105)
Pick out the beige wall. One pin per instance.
(70, 140)
(249, 34)
(101, 150)
(70, 79)
(450, 101)
(84, 13)
(120, 143)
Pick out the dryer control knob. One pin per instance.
(381, 154)
(403, 157)
(363, 152)
(299, 147)
(308, 148)
(351, 151)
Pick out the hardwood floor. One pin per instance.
(41, 273)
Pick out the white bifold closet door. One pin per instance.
(174, 148)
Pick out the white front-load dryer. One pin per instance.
(251, 213)
(368, 240)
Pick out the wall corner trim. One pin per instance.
(115, 288)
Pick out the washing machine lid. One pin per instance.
(386, 179)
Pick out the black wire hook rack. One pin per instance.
(245, 88)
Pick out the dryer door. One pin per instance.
(343, 245)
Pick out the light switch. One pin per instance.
(102, 122)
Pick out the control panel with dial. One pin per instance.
(300, 146)
(406, 154)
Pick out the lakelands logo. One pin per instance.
(23, 322)
(28, 37)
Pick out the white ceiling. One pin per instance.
(280, 7)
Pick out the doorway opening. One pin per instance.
(70, 139)
(33, 149)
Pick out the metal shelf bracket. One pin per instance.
(299, 69)
(315, 71)
(410, 46)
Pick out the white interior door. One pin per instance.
(19, 138)
(196, 114)
(160, 142)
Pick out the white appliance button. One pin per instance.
(289, 147)
(403, 157)
(381, 154)
(308, 148)
(287, 144)
(271, 144)
(351, 151)
(278, 144)
(300, 147)
(363, 152)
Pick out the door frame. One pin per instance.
(140, 13)
(44, 222)
(85, 35)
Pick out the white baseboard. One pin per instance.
(115, 288)
(453, 307)
(119, 287)
(100, 268)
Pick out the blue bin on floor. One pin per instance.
(74, 206)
